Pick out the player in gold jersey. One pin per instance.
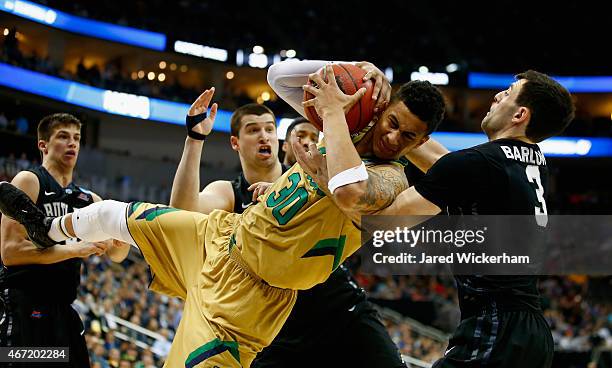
(238, 274)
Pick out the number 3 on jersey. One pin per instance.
(533, 175)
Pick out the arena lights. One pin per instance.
(291, 53)
(174, 113)
(126, 104)
(433, 78)
(60, 20)
(593, 84)
(389, 74)
(258, 49)
(258, 60)
(239, 57)
(552, 147)
(451, 68)
(101, 100)
(202, 51)
(229, 75)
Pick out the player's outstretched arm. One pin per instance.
(186, 185)
(15, 247)
(427, 154)
(409, 202)
(287, 78)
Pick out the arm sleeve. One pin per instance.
(456, 178)
(287, 78)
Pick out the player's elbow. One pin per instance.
(272, 74)
(10, 253)
(347, 196)
(183, 204)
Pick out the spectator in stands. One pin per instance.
(22, 125)
(161, 347)
(3, 121)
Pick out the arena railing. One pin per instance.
(415, 325)
(128, 331)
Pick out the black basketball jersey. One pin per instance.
(339, 293)
(502, 177)
(59, 281)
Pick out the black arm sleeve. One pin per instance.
(455, 179)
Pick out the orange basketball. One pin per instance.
(350, 79)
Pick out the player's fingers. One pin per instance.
(383, 98)
(359, 94)
(298, 149)
(331, 77)
(206, 97)
(367, 76)
(195, 106)
(377, 86)
(213, 112)
(311, 89)
(310, 102)
(316, 78)
(312, 147)
(255, 195)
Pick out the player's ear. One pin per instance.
(423, 140)
(42, 146)
(234, 143)
(285, 146)
(522, 114)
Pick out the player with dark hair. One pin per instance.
(239, 273)
(39, 282)
(502, 323)
(306, 132)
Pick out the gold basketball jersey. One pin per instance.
(295, 237)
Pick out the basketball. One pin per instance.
(350, 79)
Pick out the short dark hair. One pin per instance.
(424, 100)
(248, 109)
(551, 105)
(297, 121)
(50, 123)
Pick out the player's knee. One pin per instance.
(112, 218)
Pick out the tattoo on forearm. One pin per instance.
(383, 185)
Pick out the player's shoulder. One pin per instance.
(220, 188)
(28, 182)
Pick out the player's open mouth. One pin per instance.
(265, 151)
(70, 153)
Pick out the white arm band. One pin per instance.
(349, 176)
